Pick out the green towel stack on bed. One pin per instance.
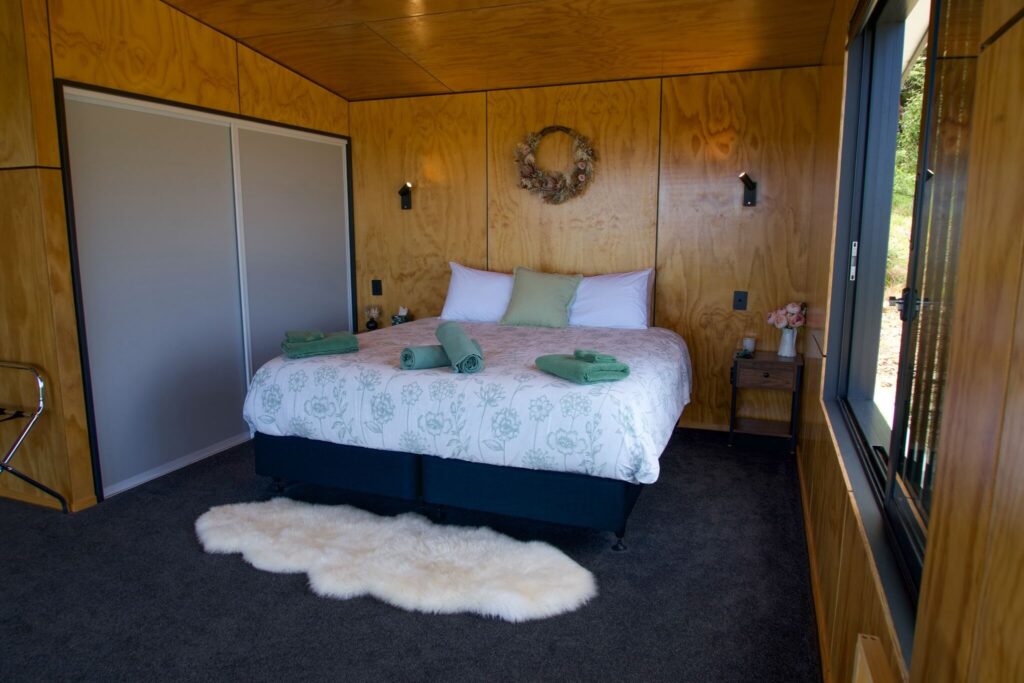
(464, 354)
(303, 344)
(294, 336)
(580, 369)
(593, 356)
(424, 357)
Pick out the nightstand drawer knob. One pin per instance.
(766, 374)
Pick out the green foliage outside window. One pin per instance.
(907, 141)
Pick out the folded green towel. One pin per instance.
(423, 357)
(581, 371)
(336, 342)
(593, 356)
(292, 336)
(464, 355)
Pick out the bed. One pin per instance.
(510, 440)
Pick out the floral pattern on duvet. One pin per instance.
(510, 414)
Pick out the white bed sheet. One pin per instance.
(509, 414)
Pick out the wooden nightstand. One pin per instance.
(766, 370)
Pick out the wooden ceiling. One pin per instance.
(371, 49)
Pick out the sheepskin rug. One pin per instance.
(406, 561)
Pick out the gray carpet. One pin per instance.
(714, 587)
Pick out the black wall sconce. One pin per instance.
(749, 190)
(406, 194)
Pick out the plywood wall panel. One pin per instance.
(437, 143)
(709, 245)
(40, 83)
(859, 604)
(610, 228)
(81, 492)
(821, 245)
(269, 91)
(997, 645)
(17, 147)
(29, 337)
(996, 14)
(962, 551)
(849, 598)
(830, 512)
(144, 47)
(806, 469)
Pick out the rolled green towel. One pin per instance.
(336, 342)
(581, 371)
(593, 356)
(424, 357)
(292, 336)
(463, 354)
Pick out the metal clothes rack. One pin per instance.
(8, 413)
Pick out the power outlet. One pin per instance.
(739, 301)
(376, 288)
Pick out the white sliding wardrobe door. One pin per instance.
(294, 210)
(158, 266)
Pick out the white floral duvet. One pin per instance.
(510, 414)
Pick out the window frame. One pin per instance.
(864, 211)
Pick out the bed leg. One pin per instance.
(619, 546)
(278, 485)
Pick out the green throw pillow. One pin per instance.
(540, 299)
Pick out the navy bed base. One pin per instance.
(558, 497)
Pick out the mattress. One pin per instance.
(509, 414)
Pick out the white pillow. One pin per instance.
(616, 300)
(476, 295)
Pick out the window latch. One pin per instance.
(853, 261)
(907, 312)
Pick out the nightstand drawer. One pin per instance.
(767, 377)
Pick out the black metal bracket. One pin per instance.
(405, 192)
(749, 189)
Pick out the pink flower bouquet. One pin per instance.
(790, 316)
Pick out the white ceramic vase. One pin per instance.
(787, 344)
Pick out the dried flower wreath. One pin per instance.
(552, 186)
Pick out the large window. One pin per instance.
(905, 145)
